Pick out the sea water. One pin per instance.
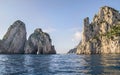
(60, 64)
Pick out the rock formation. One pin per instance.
(2, 49)
(15, 38)
(14, 41)
(102, 35)
(39, 43)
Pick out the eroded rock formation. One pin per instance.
(39, 43)
(14, 41)
(15, 38)
(102, 35)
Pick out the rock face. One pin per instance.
(15, 38)
(102, 35)
(39, 43)
(14, 41)
(2, 49)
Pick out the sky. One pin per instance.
(62, 19)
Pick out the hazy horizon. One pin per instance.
(62, 19)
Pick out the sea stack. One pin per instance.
(102, 35)
(15, 42)
(15, 38)
(39, 42)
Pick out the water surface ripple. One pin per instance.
(64, 64)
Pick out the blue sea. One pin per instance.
(60, 64)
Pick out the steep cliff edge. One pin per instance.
(102, 35)
(39, 43)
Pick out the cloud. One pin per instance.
(49, 30)
(77, 36)
(75, 29)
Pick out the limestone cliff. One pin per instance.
(39, 43)
(15, 38)
(102, 35)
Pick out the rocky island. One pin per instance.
(102, 35)
(39, 42)
(15, 42)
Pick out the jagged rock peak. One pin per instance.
(107, 14)
(108, 8)
(86, 21)
(19, 22)
(16, 26)
(38, 30)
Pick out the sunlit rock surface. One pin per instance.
(102, 35)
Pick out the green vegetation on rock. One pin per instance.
(115, 31)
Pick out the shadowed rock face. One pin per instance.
(39, 43)
(2, 49)
(102, 35)
(15, 38)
